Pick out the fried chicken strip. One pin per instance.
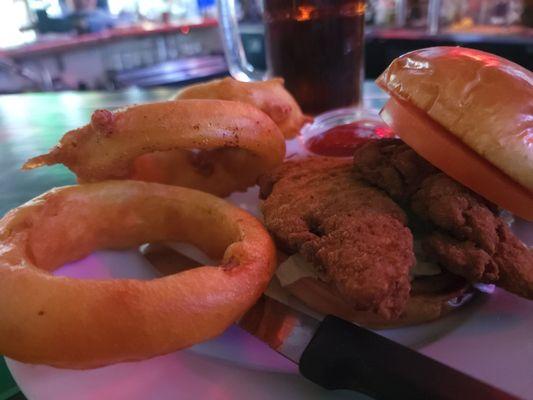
(468, 238)
(354, 234)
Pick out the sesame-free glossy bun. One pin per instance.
(484, 100)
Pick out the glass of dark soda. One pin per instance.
(316, 46)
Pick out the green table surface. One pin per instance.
(30, 124)
(8, 387)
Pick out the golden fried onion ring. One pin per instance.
(269, 96)
(74, 323)
(240, 142)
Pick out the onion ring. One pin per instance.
(269, 96)
(72, 323)
(218, 146)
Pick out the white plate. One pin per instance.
(491, 338)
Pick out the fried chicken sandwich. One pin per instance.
(398, 235)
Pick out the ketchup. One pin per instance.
(342, 140)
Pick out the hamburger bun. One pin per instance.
(431, 297)
(484, 100)
(473, 99)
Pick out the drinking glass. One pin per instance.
(316, 46)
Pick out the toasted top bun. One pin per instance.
(484, 100)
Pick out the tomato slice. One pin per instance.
(438, 146)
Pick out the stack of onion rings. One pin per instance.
(74, 323)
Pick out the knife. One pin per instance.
(337, 354)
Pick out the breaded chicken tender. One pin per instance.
(354, 234)
(467, 237)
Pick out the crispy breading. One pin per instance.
(392, 166)
(466, 237)
(353, 233)
(469, 229)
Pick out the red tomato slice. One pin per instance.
(457, 160)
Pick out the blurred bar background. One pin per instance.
(53, 45)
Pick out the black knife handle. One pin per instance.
(342, 355)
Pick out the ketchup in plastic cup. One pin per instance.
(334, 135)
(342, 140)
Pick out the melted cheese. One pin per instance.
(296, 267)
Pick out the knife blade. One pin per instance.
(337, 354)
